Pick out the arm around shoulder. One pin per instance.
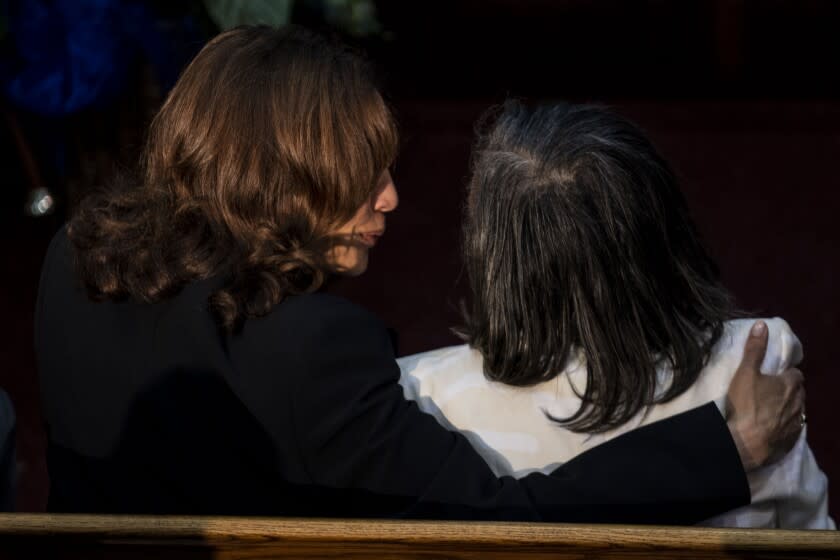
(357, 433)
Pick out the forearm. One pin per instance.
(678, 471)
(358, 432)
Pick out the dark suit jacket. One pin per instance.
(150, 410)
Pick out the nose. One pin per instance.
(387, 200)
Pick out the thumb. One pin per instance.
(755, 348)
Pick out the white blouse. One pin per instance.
(509, 427)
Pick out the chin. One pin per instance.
(357, 267)
(355, 271)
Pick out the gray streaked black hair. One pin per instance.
(577, 238)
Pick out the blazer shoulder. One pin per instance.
(318, 320)
(57, 264)
(319, 308)
(59, 252)
(56, 267)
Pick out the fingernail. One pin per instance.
(758, 328)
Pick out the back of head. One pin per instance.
(577, 238)
(269, 139)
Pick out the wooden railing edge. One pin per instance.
(245, 530)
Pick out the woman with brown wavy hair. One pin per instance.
(190, 363)
(252, 177)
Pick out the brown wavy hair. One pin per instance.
(270, 139)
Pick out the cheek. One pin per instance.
(364, 217)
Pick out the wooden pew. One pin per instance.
(162, 538)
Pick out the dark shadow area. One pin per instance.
(183, 442)
(189, 446)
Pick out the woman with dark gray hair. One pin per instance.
(595, 309)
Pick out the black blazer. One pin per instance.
(150, 410)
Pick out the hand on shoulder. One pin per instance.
(764, 412)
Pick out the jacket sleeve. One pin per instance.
(355, 430)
